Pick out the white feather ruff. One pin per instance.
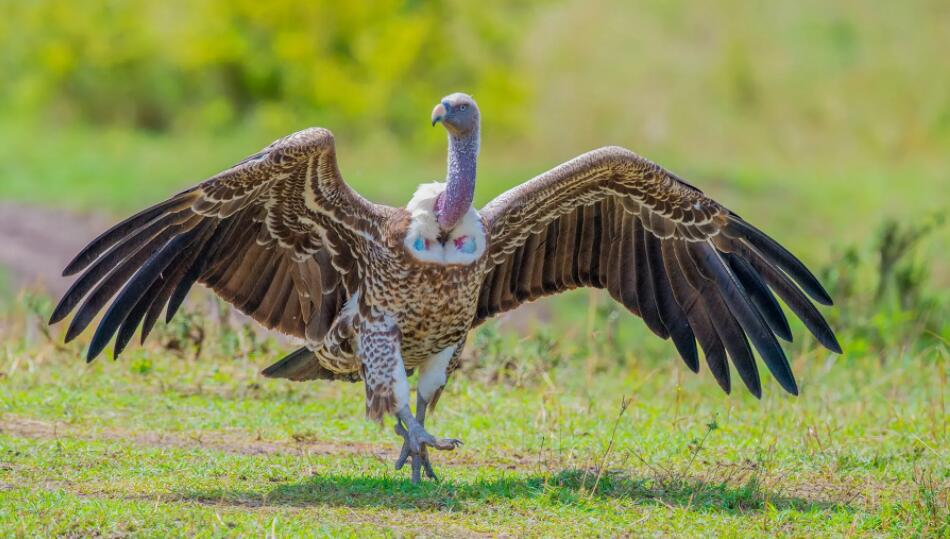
(425, 226)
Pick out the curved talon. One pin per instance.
(430, 473)
(403, 455)
(448, 444)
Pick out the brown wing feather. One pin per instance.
(278, 235)
(693, 270)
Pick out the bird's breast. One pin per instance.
(433, 305)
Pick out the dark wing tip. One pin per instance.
(124, 229)
(821, 296)
(58, 314)
(100, 339)
(76, 326)
(77, 264)
(80, 261)
(691, 358)
(685, 344)
(788, 383)
(780, 256)
(291, 365)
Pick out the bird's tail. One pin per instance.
(302, 364)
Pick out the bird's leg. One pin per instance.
(384, 374)
(387, 391)
(432, 377)
(417, 440)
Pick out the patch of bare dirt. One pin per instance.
(36, 243)
(236, 442)
(228, 442)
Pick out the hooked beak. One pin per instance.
(438, 113)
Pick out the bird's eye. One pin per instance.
(463, 108)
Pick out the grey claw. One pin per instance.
(447, 444)
(403, 456)
(429, 471)
(420, 462)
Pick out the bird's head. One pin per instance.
(458, 113)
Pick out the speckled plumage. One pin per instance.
(377, 292)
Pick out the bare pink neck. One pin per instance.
(459, 192)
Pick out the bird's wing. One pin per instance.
(278, 235)
(692, 269)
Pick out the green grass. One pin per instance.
(161, 444)
(814, 121)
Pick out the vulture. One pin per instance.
(376, 293)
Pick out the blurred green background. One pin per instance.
(820, 122)
(826, 124)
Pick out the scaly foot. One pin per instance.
(416, 442)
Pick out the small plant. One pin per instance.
(932, 501)
(884, 299)
(142, 366)
(624, 404)
(497, 357)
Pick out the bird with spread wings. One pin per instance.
(377, 293)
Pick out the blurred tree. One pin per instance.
(211, 63)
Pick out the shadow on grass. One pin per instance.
(567, 487)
